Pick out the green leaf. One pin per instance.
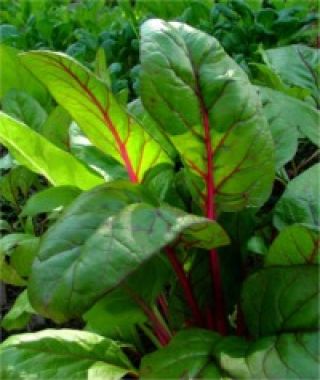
(19, 314)
(63, 243)
(52, 354)
(66, 285)
(50, 199)
(56, 128)
(205, 103)
(297, 66)
(187, 355)
(100, 67)
(94, 108)
(286, 356)
(289, 118)
(281, 299)
(300, 203)
(20, 105)
(15, 76)
(294, 245)
(42, 157)
(22, 256)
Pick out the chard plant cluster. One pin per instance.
(164, 237)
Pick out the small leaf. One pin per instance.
(64, 353)
(281, 299)
(294, 245)
(42, 157)
(50, 199)
(19, 313)
(300, 202)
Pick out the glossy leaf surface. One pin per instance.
(205, 103)
(41, 156)
(97, 112)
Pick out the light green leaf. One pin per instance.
(15, 76)
(300, 202)
(66, 282)
(94, 108)
(59, 354)
(100, 67)
(281, 299)
(20, 105)
(206, 105)
(289, 118)
(41, 156)
(19, 314)
(294, 245)
(50, 199)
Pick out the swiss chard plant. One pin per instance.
(170, 250)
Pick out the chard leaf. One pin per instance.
(300, 203)
(281, 299)
(203, 354)
(20, 105)
(289, 118)
(63, 354)
(297, 66)
(285, 356)
(97, 112)
(50, 199)
(19, 313)
(67, 278)
(205, 103)
(41, 156)
(187, 355)
(294, 245)
(14, 75)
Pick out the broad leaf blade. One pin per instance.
(281, 299)
(66, 285)
(294, 245)
(52, 354)
(97, 112)
(205, 103)
(42, 157)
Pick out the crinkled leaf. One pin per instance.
(285, 356)
(205, 103)
(294, 245)
(97, 112)
(66, 285)
(281, 299)
(289, 118)
(297, 65)
(58, 354)
(50, 199)
(19, 314)
(63, 242)
(300, 202)
(20, 105)
(42, 157)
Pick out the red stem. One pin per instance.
(211, 214)
(185, 284)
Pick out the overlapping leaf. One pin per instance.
(294, 245)
(74, 269)
(97, 112)
(61, 354)
(278, 299)
(41, 156)
(205, 103)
